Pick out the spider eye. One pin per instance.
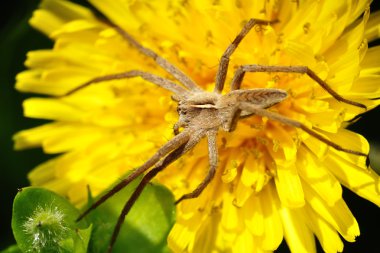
(181, 111)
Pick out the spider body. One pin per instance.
(211, 110)
(203, 114)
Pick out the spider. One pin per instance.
(203, 114)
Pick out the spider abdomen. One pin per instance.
(262, 97)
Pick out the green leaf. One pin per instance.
(146, 227)
(77, 243)
(43, 221)
(12, 249)
(83, 239)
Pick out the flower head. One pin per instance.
(273, 181)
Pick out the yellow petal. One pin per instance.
(273, 233)
(207, 234)
(253, 216)
(118, 12)
(302, 52)
(244, 243)
(364, 182)
(282, 141)
(326, 234)
(45, 108)
(242, 194)
(231, 217)
(33, 137)
(353, 141)
(53, 14)
(297, 235)
(52, 82)
(230, 171)
(372, 30)
(71, 55)
(180, 237)
(366, 86)
(43, 173)
(77, 194)
(338, 215)
(295, 26)
(345, 69)
(250, 171)
(313, 173)
(317, 147)
(289, 188)
(75, 26)
(326, 120)
(79, 137)
(370, 62)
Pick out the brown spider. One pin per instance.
(202, 114)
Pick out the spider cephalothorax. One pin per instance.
(204, 113)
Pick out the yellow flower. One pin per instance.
(273, 181)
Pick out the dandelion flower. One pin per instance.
(273, 181)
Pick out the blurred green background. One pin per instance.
(17, 38)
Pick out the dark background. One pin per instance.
(17, 38)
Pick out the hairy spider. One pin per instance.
(203, 114)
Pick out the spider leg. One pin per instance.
(162, 82)
(240, 72)
(173, 156)
(277, 117)
(236, 116)
(225, 59)
(176, 128)
(213, 158)
(173, 144)
(166, 65)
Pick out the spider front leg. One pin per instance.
(290, 122)
(240, 72)
(163, 63)
(170, 158)
(162, 82)
(225, 59)
(213, 160)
